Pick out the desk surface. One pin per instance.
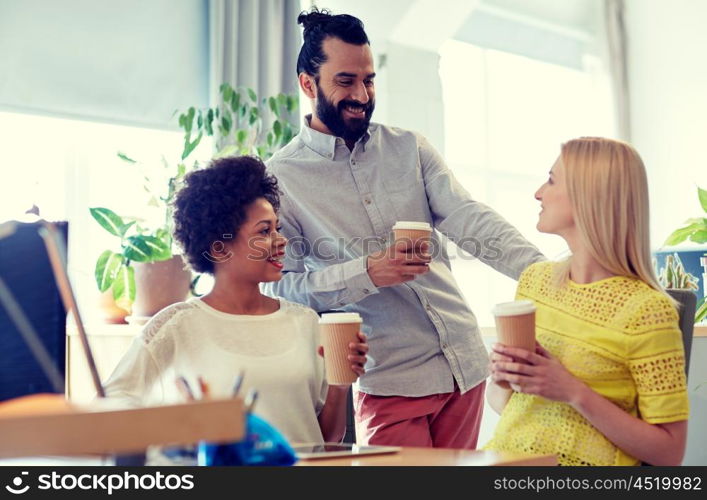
(434, 457)
(405, 457)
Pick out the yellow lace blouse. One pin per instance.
(622, 339)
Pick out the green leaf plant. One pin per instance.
(695, 230)
(113, 268)
(241, 124)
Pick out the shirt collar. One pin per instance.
(324, 144)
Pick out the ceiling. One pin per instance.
(429, 22)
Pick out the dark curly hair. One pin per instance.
(319, 25)
(213, 202)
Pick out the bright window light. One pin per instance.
(505, 119)
(66, 166)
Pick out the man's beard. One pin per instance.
(331, 116)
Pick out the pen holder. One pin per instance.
(262, 445)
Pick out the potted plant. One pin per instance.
(687, 268)
(239, 125)
(142, 256)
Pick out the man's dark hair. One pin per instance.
(212, 205)
(319, 25)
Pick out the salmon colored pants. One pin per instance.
(449, 420)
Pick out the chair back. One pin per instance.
(688, 302)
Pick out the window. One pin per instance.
(66, 166)
(505, 118)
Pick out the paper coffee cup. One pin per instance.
(515, 325)
(414, 232)
(337, 330)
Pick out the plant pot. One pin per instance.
(693, 261)
(159, 284)
(109, 310)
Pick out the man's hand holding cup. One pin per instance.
(408, 256)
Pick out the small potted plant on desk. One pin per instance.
(143, 274)
(686, 267)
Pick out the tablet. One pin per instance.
(330, 450)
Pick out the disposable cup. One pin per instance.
(413, 232)
(337, 331)
(515, 325)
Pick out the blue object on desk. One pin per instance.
(262, 445)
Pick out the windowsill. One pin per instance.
(105, 330)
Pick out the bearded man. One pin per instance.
(345, 182)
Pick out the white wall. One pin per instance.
(414, 92)
(668, 87)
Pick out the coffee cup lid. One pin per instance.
(344, 317)
(515, 308)
(415, 226)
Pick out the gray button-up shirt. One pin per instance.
(338, 206)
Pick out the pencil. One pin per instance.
(203, 387)
(250, 400)
(184, 389)
(238, 383)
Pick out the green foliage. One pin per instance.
(124, 287)
(107, 268)
(701, 313)
(113, 269)
(696, 228)
(240, 125)
(695, 231)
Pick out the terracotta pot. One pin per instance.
(159, 284)
(109, 311)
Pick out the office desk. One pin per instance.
(434, 457)
(405, 457)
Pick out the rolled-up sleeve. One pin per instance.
(329, 288)
(472, 225)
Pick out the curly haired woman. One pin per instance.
(226, 223)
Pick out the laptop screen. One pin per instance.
(27, 273)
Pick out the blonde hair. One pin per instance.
(608, 189)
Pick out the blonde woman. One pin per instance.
(606, 385)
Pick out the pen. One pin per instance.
(238, 383)
(250, 400)
(184, 388)
(203, 387)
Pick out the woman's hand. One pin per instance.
(537, 373)
(496, 358)
(357, 354)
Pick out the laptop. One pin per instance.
(14, 303)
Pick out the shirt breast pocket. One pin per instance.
(410, 182)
